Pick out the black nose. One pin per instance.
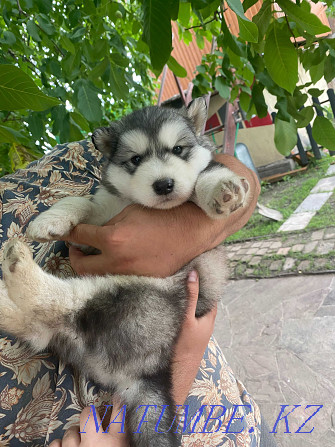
(163, 186)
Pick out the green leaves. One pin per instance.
(300, 14)
(45, 24)
(18, 91)
(33, 30)
(87, 101)
(93, 56)
(117, 82)
(222, 87)
(285, 136)
(177, 69)
(263, 17)
(9, 135)
(281, 58)
(329, 68)
(157, 31)
(237, 7)
(8, 38)
(324, 133)
(248, 30)
(305, 116)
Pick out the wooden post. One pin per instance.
(229, 130)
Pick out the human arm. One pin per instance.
(153, 242)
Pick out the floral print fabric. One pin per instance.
(40, 397)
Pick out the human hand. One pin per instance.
(191, 344)
(72, 437)
(153, 242)
(138, 240)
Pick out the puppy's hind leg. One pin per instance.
(32, 302)
(11, 317)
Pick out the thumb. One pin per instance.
(86, 234)
(193, 293)
(84, 264)
(89, 420)
(117, 421)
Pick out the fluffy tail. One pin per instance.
(151, 413)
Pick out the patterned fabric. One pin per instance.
(39, 396)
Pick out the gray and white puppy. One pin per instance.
(120, 330)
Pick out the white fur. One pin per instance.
(138, 187)
(135, 139)
(170, 133)
(33, 302)
(211, 188)
(62, 217)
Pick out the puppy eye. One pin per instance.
(177, 150)
(136, 160)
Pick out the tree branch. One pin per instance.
(6, 117)
(20, 9)
(216, 14)
(200, 26)
(38, 26)
(290, 29)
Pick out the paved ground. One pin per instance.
(278, 334)
(294, 253)
(313, 203)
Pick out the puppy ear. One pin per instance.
(197, 112)
(105, 140)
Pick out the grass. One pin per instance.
(285, 196)
(326, 215)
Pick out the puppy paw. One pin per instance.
(49, 226)
(16, 259)
(228, 195)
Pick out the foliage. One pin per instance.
(94, 57)
(266, 56)
(87, 57)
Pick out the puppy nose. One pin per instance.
(163, 186)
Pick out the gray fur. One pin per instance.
(120, 331)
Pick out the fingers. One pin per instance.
(85, 234)
(85, 264)
(56, 443)
(87, 421)
(116, 427)
(71, 438)
(193, 293)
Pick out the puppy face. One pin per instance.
(155, 154)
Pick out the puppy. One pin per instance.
(120, 330)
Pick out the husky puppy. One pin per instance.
(120, 330)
